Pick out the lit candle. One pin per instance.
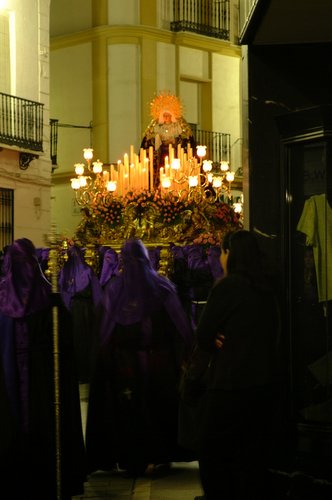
(136, 173)
(139, 176)
(120, 178)
(207, 165)
(132, 176)
(79, 168)
(111, 186)
(176, 164)
(237, 207)
(224, 166)
(151, 166)
(179, 151)
(201, 151)
(216, 183)
(171, 153)
(106, 176)
(126, 177)
(82, 180)
(186, 169)
(230, 176)
(75, 183)
(88, 153)
(166, 182)
(182, 159)
(97, 167)
(193, 180)
(146, 173)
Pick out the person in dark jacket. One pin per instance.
(237, 342)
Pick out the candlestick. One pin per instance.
(105, 177)
(125, 160)
(151, 167)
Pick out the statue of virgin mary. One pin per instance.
(167, 126)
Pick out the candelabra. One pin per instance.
(121, 200)
(185, 176)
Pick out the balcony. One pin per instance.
(218, 144)
(248, 10)
(205, 17)
(21, 123)
(54, 124)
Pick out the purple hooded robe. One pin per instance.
(82, 294)
(146, 336)
(27, 383)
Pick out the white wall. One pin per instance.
(70, 16)
(71, 101)
(123, 12)
(71, 104)
(226, 94)
(30, 80)
(65, 212)
(190, 97)
(166, 67)
(194, 62)
(124, 99)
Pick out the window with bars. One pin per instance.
(6, 217)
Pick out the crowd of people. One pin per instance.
(168, 381)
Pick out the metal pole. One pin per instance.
(53, 267)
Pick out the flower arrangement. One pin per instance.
(171, 209)
(207, 239)
(141, 200)
(154, 216)
(224, 216)
(108, 210)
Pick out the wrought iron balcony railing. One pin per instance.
(21, 122)
(54, 140)
(205, 17)
(218, 144)
(246, 10)
(6, 217)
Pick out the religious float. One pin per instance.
(167, 194)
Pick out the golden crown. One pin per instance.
(165, 101)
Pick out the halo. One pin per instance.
(165, 101)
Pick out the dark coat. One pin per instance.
(249, 319)
(236, 401)
(133, 403)
(28, 453)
